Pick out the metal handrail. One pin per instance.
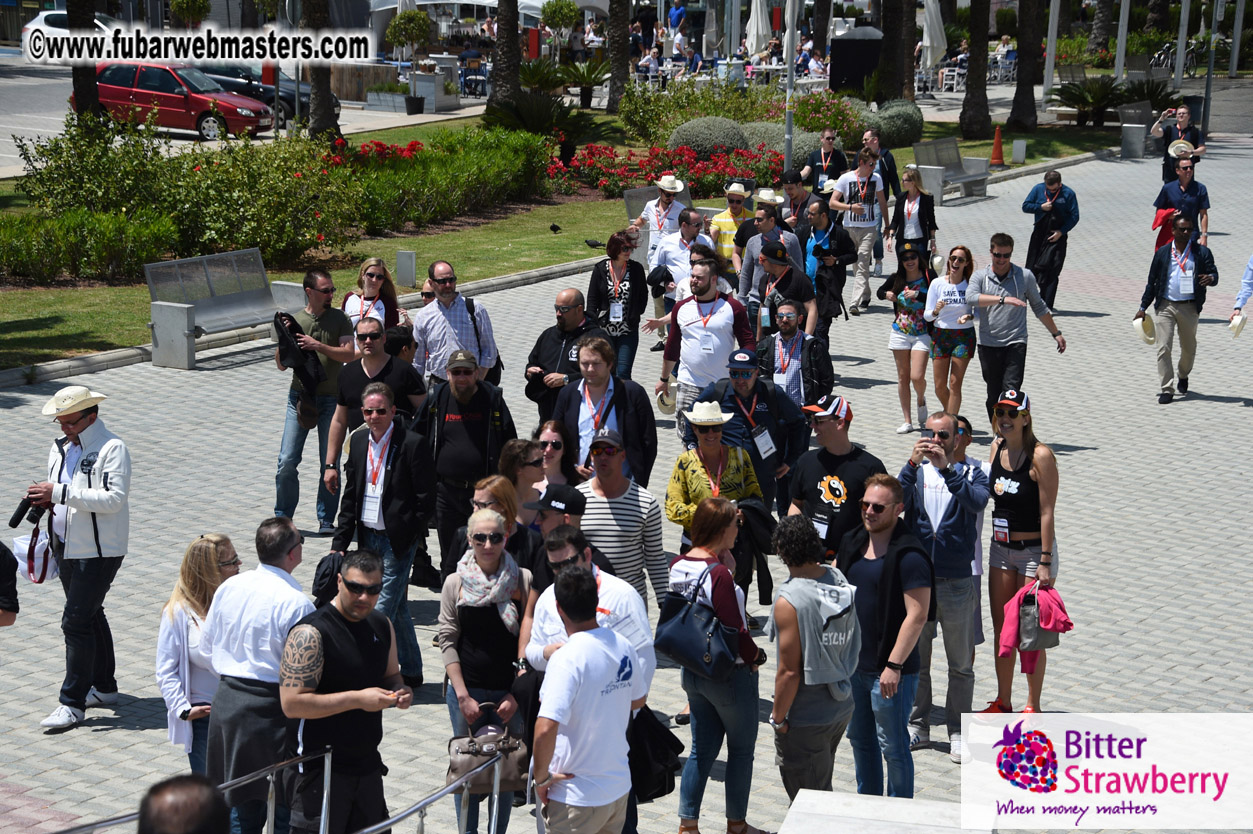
(420, 807)
(264, 773)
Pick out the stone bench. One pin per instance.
(211, 294)
(941, 164)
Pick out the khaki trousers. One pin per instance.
(863, 238)
(1181, 316)
(560, 818)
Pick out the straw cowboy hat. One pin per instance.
(670, 183)
(666, 401)
(1145, 329)
(707, 414)
(828, 187)
(71, 399)
(736, 188)
(768, 195)
(1237, 324)
(937, 263)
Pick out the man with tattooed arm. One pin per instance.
(340, 671)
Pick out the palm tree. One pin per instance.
(891, 79)
(1022, 116)
(975, 120)
(508, 63)
(316, 14)
(618, 41)
(1102, 25)
(822, 14)
(81, 15)
(1159, 15)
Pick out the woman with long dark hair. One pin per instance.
(952, 329)
(910, 342)
(560, 453)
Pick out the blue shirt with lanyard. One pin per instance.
(787, 366)
(1181, 285)
(596, 416)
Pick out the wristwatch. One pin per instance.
(565, 379)
(327, 466)
(184, 715)
(778, 725)
(1001, 303)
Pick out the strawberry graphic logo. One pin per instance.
(1028, 760)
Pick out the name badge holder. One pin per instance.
(372, 502)
(615, 312)
(1000, 530)
(765, 443)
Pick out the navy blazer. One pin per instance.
(408, 489)
(1159, 276)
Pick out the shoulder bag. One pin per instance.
(690, 634)
(465, 753)
(493, 373)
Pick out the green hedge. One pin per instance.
(84, 244)
(650, 115)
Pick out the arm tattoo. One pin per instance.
(302, 658)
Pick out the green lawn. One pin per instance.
(1045, 144)
(10, 198)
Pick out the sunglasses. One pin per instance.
(369, 337)
(942, 435)
(785, 316)
(828, 138)
(65, 424)
(378, 276)
(461, 372)
(605, 451)
(232, 563)
(909, 256)
(555, 445)
(484, 538)
(564, 563)
(957, 259)
(536, 462)
(483, 505)
(451, 279)
(1000, 256)
(738, 201)
(740, 374)
(328, 291)
(372, 411)
(820, 421)
(707, 429)
(565, 308)
(1006, 412)
(1185, 167)
(428, 295)
(870, 506)
(362, 590)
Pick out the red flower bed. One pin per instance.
(600, 166)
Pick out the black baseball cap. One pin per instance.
(562, 498)
(610, 437)
(1016, 398)
(792, 177)
(775, 252)
(742, 360)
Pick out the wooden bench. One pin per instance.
(941, 164)
(211, 294)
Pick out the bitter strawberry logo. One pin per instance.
(1028, 760)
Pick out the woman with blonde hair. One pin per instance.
(187, 681)
(496, 493)
(376, 297)
(913, 219)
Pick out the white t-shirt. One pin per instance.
(913, 220)
(354, 303)
(588, 691)
(955, 306)
(850, 186)
(705, 344)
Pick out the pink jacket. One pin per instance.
(1053, 617)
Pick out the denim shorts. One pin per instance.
(1025, 560)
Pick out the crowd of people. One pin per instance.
(550, 544)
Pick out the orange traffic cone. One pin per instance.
(998, 155)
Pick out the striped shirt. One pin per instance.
(627, 529)
(440, 330)
(727, 224)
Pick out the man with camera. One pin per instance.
(89, 472)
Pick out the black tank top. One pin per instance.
(1015, 494)
(354, 656)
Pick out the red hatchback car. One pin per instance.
(184, 98)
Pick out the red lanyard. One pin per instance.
(661, 216)
(377, 466)
(748, 415)
(704, 319)
(826, 160)
(1052, 195)
(909, 211)
(686, 244)
(598, 410)
(861, 189)
(1182, 263)
(616, 280)
(715, 485)
(792, 207)
(787, 360)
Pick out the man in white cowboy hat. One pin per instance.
(704, 328)
(660, 217)
(770, 229)
(723, 226)
(88, 489)
(859, 193)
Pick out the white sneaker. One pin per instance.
(918, 739)
(905, 428)
(96, 698)
(922, 413)
(958, 751)
(62, 718)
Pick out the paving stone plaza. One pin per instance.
(1152, 517)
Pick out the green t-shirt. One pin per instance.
(328, 328)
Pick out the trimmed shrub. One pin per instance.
(83, 244)
(803, 144)
(769, 134)
(900, 123)
(651, 115)
(708, 135)
(1007, 22)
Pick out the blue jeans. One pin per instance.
(720, 708)
(957, 613)
(880, 730)
(249, 818)
(199, 745)
(287, 480)
(394, 600)
(625, 347)
(461, 728)
(878, 244)
(89, 659)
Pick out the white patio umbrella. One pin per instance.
(711, 34)
(758, 30)
(934, 43)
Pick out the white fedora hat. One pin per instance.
(71, 399)
(666, 401)
(828, 187)
(937, 263)
(736, 188)
(670, 183)
(1237, 324)
(768, 195)
(707, 414)
(1145, 329)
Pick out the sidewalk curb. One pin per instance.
(62, 368)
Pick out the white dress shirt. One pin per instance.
(248, 622)
(619, 609)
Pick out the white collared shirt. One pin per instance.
(1177, 288)
(248, 622)
(619, 609)
(377, 455)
